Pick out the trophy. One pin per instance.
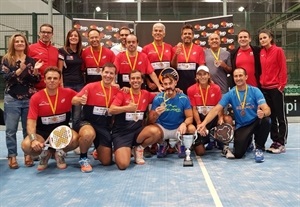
(188, 140)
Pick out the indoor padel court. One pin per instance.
(212, 181)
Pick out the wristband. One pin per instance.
(32, 137)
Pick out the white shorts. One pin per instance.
(170, 135)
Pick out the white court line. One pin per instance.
(209, 183)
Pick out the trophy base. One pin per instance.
(188, 163)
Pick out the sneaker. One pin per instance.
(44, 158)
(60, 160)
(259, 156)
(272, 147)
(278, 149)
(181, 150)
(85, 165)
(139, 155)
(95, 154)
(162, 150)
(250, 147)
(226, 152)
(210, 145)
(147, 153)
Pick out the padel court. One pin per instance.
(213, 181)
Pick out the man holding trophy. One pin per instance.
(170, 118)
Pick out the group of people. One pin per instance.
(118, 102)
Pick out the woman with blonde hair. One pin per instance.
(20, 73)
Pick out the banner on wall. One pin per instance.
(221, 25)
(109, 30)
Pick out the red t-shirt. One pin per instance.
(93, 70)
(245, 59)
(48, 54)
(213, 96)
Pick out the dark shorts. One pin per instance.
(125, 140)
(103, 135)
(44, 134)
(204, 140)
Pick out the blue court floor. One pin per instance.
(213, 181)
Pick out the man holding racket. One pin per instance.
(204, 95)
(48, 109)
(130, 110)
(251, 115)
(96, 99)
(170, 114)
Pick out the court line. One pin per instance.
(209, 183)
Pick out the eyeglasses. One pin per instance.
(46, 32)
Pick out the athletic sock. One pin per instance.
(83, 155)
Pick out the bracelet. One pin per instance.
(32, 137)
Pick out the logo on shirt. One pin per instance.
(63, 100)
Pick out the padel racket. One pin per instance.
(59, 138)
(166, 71)
(223, 133)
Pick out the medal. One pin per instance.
(187, 66)
(98, 70)
(99, 58)
(217, 63)
(163, 104)
(53, 107)
(204, 100)
(243, 113)
(216, 56)
(161, 65)
(54, 119)
(204, 110)
(242, 103)
(107, 99)
(135, 117)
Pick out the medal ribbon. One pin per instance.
(53, 108)
(189, 54)
(132, 97)
(129, 61)
(216, 56)
(99, 57)
(204, 99)
(244, 99)
(107, 99)
(160, 56)
(165, 100)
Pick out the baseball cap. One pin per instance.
(203, 67)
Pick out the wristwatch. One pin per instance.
(32, 137)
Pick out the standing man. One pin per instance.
(130, 111)
(43, 50)
(95, 56)
(218, 61)
(121, 47)
(170, 114)
(247, 56)
(96, 99)
(130, 60)
(159, 53)
(48, 109)
(187, 58)
(251, 115)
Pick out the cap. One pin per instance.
(203, 67)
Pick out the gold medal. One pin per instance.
(98, 70)
(163, 104)
(242, 103)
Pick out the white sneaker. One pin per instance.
(227, 153)
(139, 155)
